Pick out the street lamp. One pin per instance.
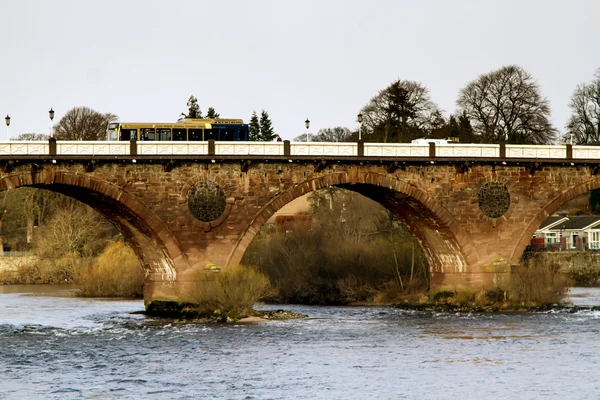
(7, 120)
(307, 123)
(51, 114)
(359, 119)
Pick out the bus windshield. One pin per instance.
(112, 133)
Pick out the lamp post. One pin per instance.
(51, 114)
(359, 119)
(7, 120)
(307, 123)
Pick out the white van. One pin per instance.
(436, 141)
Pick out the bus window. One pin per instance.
(226, 134)
(209, 134)
(179, 134)
(128, 134)
(147, 134)
(241, 133)
(163, 133)
(194, 134)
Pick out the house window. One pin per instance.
(594, 239)
(551, 237)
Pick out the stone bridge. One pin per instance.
(472, 214)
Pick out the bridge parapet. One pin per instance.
(171, 148)
(535, 151)
(75, 147)
(586, 152)
(24, 147)
(303, 149)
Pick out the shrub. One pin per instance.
(229, 292)
(314, 267)
(115, 273)
(537, 281)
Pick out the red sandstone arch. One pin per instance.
(557, 202)
(443, 239)
(157, 249)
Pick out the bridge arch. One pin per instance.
(550, 208)
(447, 246)
(156, 248)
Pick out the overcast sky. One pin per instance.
(321, 60)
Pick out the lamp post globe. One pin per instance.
(51, 115)
(307, 124)
(7, 120)
(359, 118)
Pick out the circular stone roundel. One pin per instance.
(494, 199)
(206, 201)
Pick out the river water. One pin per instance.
(71, 348)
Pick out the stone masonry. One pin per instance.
(472, 232)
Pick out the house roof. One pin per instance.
(550, 221)
(577, 222)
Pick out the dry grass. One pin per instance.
(115, 273)
(585, 275)
(47, 271)
(229, 292)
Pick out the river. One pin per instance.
(72, 348)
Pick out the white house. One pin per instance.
(581, 232)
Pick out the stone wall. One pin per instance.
(13, 263)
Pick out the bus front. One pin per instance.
(112, 132)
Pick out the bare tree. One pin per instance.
(32, 136)
(584, 124)
(505, 106)
(337, 134)
(83, 123)
(399, 113)
(74, 228)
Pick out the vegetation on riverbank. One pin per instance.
(535, 283)
(349, 250)
(582, 268)
(61, 240)
(230, 293)
(116, 272)
(353, 252)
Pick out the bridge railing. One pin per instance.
(586, 152)
(468, 150)
(248, 148)
(535, 151)
(168, 148)
(396, 150)
(93, 148)
(287, 148)
(24, 147)
(323, 149)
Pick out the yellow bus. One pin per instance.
(187, 129)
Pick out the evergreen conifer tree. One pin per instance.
(267, 133)
(193, 109)
(212, 114)
(254, 127)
